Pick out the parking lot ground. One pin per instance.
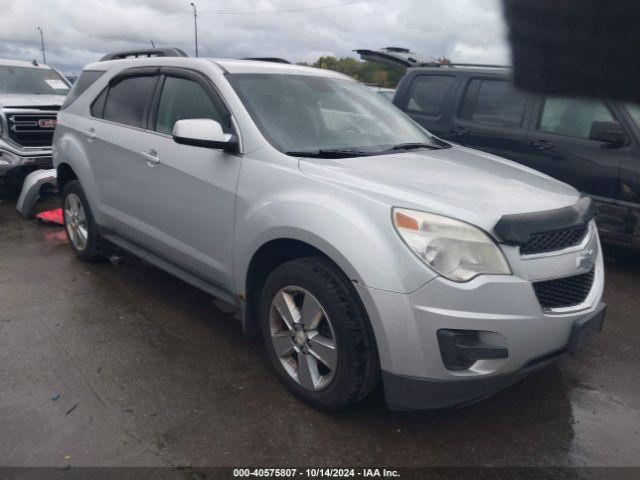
(120, 365)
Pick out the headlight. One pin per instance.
(454, 249)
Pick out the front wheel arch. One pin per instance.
(354, 343)
(64, 174)
(264, 261)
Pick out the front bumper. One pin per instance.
(31, 189)
(503, 312)
(408, 393)
(14, 159)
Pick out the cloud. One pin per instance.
(81, 31)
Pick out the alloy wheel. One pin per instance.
(76, 221)
(303, 338)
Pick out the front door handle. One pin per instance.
(541, 144)
(90, 134)
(152, 157)
(460, 131)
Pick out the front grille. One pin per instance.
(28, 130)
(556, 240)
(564, 292)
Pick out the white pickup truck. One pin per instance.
(30, 96)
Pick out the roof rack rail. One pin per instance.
(480, 65)
(268, 59)
(396, 49)
(396, 57)
(148, 53)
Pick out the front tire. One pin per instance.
(84, 238)
(317, 334)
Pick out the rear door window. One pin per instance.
(428, 94)
(183, 99)
(129, 99)
(493, 102)
(572, 117)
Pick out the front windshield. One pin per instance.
(26, 80)
(302, 113)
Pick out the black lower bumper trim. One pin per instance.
(407, 393)
(585, 328)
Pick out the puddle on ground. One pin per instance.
(604, 428)
(55, 238)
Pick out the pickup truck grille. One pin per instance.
(556, 240)
(564, 292)
(31, 129)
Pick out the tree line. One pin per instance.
(367, 72)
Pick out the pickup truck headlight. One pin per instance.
(456, 250)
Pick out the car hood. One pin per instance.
(24, 100)
(458, 182)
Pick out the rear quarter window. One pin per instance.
(428, 94)
(86, 79)
(573, 117)
(634, 111)
(97, 107)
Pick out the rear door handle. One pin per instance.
(460, 131)
(90, 134)
(152, 157)
(541, 144)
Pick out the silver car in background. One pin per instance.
(362, 248)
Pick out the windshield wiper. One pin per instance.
(329, 153)
(413, 146)
(350, 153)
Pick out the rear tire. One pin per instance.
(83, 234)
(317, 334)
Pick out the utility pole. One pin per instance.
(153, 45)
(195, 24)
(44, 53)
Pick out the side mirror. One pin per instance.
(204, 132)
(610, 133)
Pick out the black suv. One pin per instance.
(590, 144)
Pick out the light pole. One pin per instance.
(195, 25)
(44, 53)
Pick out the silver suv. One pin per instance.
(30, 97)
(361, 247)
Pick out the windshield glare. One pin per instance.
(26, 80)
(301, 113)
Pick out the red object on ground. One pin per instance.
(52, 216)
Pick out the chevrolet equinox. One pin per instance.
(361, 247)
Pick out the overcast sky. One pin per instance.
(78, 32)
